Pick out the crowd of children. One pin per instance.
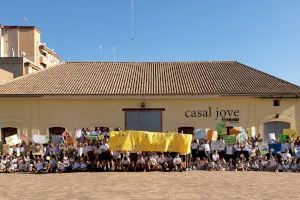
(96, 156)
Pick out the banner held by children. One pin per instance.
(150, 141)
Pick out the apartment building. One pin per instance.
(22, 52)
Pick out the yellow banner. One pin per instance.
(150, 141)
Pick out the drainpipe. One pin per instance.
(1, 41)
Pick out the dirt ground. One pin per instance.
(156, 185)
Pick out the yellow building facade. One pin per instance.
(38, 115)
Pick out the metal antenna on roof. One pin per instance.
(209, 48)
(132, 33)
(25, 19)
(101, 51)
(114, 50)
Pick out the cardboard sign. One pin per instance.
(5, 149)
(283, 138)
(263, 148)
(290, 132)
(221, 128)
(200, 133)
(272, 136)
(12, 140)
(40, 139)
(235, 130)
(229, 139)
(275, 148)
(71, 141)
(218, 145)
(212, 135)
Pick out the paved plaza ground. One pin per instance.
(157, 185)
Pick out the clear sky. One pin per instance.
(264, 34)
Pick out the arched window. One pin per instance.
(55, 134)
(275, 127)
(8, 131)
(186, 130)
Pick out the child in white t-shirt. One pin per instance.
(215, 156)
(177, 163)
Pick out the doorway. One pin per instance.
(275, 127)
(8, 131)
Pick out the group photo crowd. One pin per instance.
(90, 152)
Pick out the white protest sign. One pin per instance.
(253, 131)
(272, 136)
(218, 145)
(40, 139)
(12, 140)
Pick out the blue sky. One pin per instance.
(264, 34)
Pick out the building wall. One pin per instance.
(14, 65)
(37, 115)
(5, 76)
(26, 43)
(37, 43)
(10, 40)
(48, 59)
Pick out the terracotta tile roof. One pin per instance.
(150, 78)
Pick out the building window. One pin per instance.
(276, 103)
(43, 65)
(56, 130)
(186, 130)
